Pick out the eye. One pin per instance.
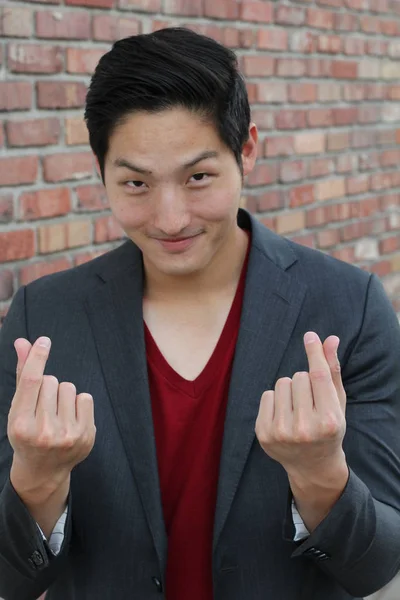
(135, 184)
(200, 177)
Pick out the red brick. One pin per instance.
(61, 94)
(252, 91)
(346, 254)
(301, 195)
(109, 28)
(258, 65)
(307, 239)
(291, 67)
(389, 244)
(292, 171)
(16, 95)
(354, 46)
(346, 163)
(107, 230)
(6, 208)
(91, 197)
(359, 184)
(18, 170)
(331, 44)
(32, 58)
(345, 116)
(303, 41)
(221, 10)
(338, 141)
(340, 212)
(67, 166)
(84, 257)
(257, 10)
(6, 284)
(83, 60)
(376, 47)
(320, 117)
(386, 137)
(270, 201)
(78, 233)
(375, 91)
(76, 132)
(268, 222)
(381, 181)
(389, 27)
(357, 4)
(291, 119)
(263, 174)
(354, 92)
(17, 245)
(320, 18)
(272, 92)
(264, 118)
(65, 25)
(182, 7)
(319, 67)
(362, 138)
(290, 221)
(369, 114)
(40, 269)
(272, 39)
(329, 92)
(390, 158)
(278, 146)
(347, 22)
(302, 92)
(370, 24)
(367, 208)
(310, 143)
(329, 189)
(315, 217)
(320, 167)
(35, 132)
(369, 161)
(328, 238)
(91, 3)
(342, 69)
(247, 37)
(289, 15)
(52, 238)
(353, 231)
(44, 204)
(140, 5)
(382, 268)
(393, 92)
(16, 22)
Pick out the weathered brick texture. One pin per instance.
(324, 81)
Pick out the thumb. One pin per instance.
(22, 348)
(330, 346)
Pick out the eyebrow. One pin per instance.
(122, 162)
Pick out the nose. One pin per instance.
(171, 213)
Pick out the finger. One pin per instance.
(30, 382)
(330, 347)
(47, 400)
(265, 416)
(324, 392)
(66, 410)
(302, 397)
(85, 409)
(283, 406)
(22, 348)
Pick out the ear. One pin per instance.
(249, 150)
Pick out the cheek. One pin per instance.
(220, 205)
(129, 214)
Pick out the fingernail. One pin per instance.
(310, 337)
(45, 342)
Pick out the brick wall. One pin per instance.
(324, 82)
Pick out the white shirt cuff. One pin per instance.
(301, 531)
(57, 536)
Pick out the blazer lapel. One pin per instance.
(272, 302)
(115, 311)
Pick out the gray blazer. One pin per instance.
(115, 544)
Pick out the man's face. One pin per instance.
(174, 188)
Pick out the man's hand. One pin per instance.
(302, 425)
(50, 429)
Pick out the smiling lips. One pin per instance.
(178, 244)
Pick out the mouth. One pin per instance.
(177, 244)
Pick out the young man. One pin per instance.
(185, 436)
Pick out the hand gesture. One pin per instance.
(50, 428)
(301, 424)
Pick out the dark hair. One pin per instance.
(168, 68)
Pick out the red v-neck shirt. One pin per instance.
(188, 421)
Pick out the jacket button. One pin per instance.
(36, 559)
(157, 583)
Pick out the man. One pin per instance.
(185, 436)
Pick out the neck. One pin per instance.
(221, 273)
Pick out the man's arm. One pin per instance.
(27, 566)
(358, 542)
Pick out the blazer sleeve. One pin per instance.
(27, 565)
(358, 543)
